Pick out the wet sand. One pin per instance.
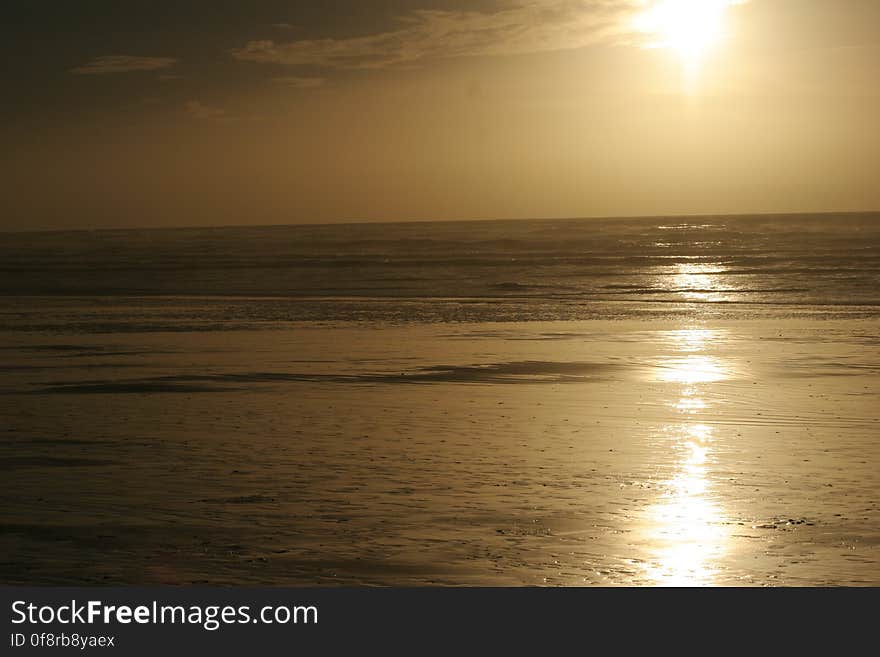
(520, 453)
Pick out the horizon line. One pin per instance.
(348, 222)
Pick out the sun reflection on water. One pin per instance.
(685, 534)
(692, 339)
(691, 365)
(690, 402)
(692, 369)
(699, 281)
(687, 537)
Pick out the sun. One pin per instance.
(689, 27)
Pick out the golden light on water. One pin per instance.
(698, 281)
(692, 366)
(685, 533)
(695, 282)
(684, 530)
(690, 405)
(701, 433)
(692, 339)
(695, 368)
(688, 537)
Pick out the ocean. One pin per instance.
(736, 267)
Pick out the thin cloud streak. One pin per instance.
(110, 64)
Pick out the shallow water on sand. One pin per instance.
(689, 449)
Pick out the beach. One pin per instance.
(697, 435)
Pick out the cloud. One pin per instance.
(297, 82)
(122, 64)
(518, 27)
(202, 112)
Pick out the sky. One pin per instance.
(157, 113)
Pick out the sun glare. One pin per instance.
(689, 27)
